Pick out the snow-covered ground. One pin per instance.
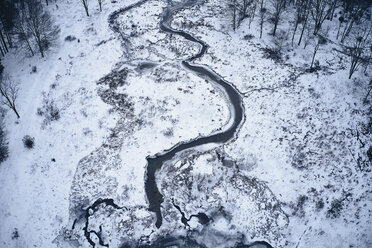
(301, 129)
(290, 178)
(34, 190)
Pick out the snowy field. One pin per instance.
(297, 174)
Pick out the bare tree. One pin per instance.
(2, 52)
(9, 93)
(333, 7)
(341, 19)
(305, 18)
(234, 7)
(100, 4)
(262, 16)
(279, 7)
(353, 15)
(22, 31)
(41, 26)
(300, 15)
(358, 52)
(308, 37)
(320, 10)
(319, 40)
(251, 12)
(368, 92)
(85, 4)
(245, 9)
(3, 43)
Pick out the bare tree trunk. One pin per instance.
(29, 47)
(21, 30)
(319, 12)
(369, 91)
(357, 51)
(100, 5)
(347, 30)
(262, 17)
(234, 15)
(41, 50)
(333, 7)
(85, 4)
(306, 17)
(9, 92)
(275, 26)
(294, 31)
(252, 15)
(10, 42)
(338, 31)
(16, 112)
(314, 53)
(279, 7)
(303, 30)
(3, 41)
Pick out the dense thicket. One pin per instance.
(26, 24)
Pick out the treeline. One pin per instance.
(307, 23)
(26, 24)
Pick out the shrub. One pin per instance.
(168, 132)
(335, 210)
(28, 141)
(270, 53)
(49, 110)
(15, 234)
(70, 38)
(248, 37)
(319, 204)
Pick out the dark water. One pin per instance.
(154, 163)
(185, 242)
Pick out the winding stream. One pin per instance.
(155, 162)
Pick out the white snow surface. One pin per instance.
(314, 116)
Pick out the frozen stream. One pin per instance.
(155, 162)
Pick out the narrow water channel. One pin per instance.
(154, 163)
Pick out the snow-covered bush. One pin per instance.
(49, 110)
(335, 210)
(15, 234)
(168, 132)
(248, 37)
(70, 38)
(272, 54)
(28, 141)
